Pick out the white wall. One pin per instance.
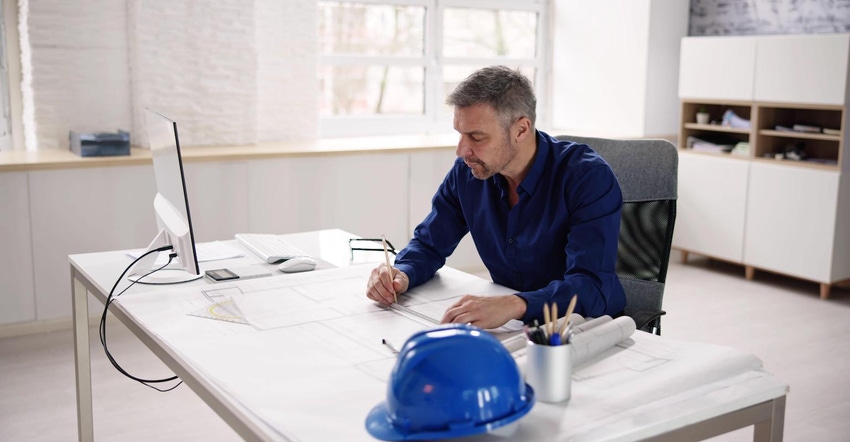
(229, 71)
(615, 65)
(79, 69)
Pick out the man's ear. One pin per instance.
(522, 129)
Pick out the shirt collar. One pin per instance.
(540, 158)
(529, 183)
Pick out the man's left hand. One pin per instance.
(485, 311)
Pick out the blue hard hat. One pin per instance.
(451, 381)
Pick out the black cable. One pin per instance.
(110, 299)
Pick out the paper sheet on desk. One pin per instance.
(431, 300)
(632, 380)
(334, 342)
(340, 345)
(225, 310)
(207, 251)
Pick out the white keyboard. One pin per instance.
(271, 248)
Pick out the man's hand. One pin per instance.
(379, 288)
(485, 311)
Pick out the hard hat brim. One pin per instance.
(379, 424)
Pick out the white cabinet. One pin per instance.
(790, 227)
(719, 68)
(712, 206)
(793, 69)
(790, 217)
(80, 211)
(17, 300)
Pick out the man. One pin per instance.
(544, 214)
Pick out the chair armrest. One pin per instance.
(646, 320)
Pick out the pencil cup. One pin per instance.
(549, 371)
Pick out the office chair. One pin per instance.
(647, 172)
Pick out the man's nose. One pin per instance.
(462, 149)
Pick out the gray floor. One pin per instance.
(801, 339)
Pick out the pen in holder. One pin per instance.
(549, 355)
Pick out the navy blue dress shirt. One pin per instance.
(560, 239)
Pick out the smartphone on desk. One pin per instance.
(247, 272)
(219, 275)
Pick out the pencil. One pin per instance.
(554, 318)
(389, 267)
(546, 324)
(567, 316)
(389, 345)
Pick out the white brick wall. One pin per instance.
(286, 75)
(79, 75)
(229, 71)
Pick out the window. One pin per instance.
(387, 66)
(6, 117)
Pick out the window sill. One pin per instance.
(65, 159)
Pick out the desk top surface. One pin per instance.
(315, 366)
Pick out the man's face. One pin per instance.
(484, 144)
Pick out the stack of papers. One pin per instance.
(711, 143)
(742, 148)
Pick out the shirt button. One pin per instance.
(510, 240)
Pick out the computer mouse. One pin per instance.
(298, 264)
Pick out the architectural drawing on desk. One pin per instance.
(222, 310)
(431, 300)
(680, 377)
(330, 305)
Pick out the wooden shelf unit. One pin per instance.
(750, 207)
(823, 150)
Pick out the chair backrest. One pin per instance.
(647, 171)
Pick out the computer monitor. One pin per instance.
(171, 205)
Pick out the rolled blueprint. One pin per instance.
(590, 323)
(593, 341)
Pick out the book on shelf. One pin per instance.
(829, 131)
(710, 143)
(824, 161)
(731, 119)
(806, 128)
(742, 148)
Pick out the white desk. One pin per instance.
(706, 404)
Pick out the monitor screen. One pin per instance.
(171, 202)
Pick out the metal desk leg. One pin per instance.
(771, 430)
(82, 359)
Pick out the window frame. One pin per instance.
(432, 62)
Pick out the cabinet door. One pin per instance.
(791, 220)
(802, 69)
(364, 194)
(711, 206)
(717, 68)
(80, 211)
(17, 295)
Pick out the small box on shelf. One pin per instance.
(100, 144)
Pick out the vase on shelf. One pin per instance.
(703, 117)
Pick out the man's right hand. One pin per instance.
(380, 289)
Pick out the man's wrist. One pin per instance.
(521, 306)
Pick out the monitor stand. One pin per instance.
(167, 275)
(164, 276)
